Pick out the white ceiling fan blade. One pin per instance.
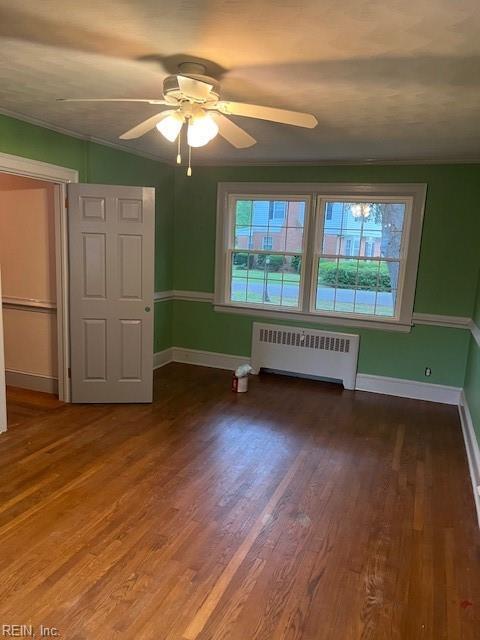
(232, 133)
(145, 126)
(149, 101)
(295, 118)
(193, 88)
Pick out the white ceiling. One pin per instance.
(387, 79)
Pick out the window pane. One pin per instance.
(386, 302)
(344, 299)
(294, 239)
(296, 214)
(261, 227)
(242, 235)
(243, 213)
(367, 238)
(326, 283)
(269, 225)
(332, 237)
(238, 291)
(291, 281)
(260, 278)
(367, 229)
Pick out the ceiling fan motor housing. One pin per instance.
(171, 89)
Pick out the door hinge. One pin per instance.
(66, 203)
(69, 372)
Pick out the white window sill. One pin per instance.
(299, 316)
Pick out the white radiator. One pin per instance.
(306, 351)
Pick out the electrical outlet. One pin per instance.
(428, 372)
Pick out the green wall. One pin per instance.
(100, 164)
(185, 239)
(447, 273)
(398, 355)
(448, 259)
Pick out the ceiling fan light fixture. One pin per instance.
(170, 126)
(201, 129)
(361, 210)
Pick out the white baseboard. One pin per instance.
(208, 358)
(161, 358)
(32, 381)
(201, 358)
(376, 384)
(473, 451)
(408, 389)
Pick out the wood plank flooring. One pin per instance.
(295, 511)
(23, 404)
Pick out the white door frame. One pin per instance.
(3, 400)
(60, 176)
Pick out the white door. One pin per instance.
(3, 398)
(111, 248)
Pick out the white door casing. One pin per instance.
(111, 250)
(3, 397)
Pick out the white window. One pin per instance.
(277, 210)
(261, 276)
(369, 247)
(267, 243)
(358, 265)
(352, 246)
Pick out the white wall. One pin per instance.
(27, 258)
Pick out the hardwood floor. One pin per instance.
(23, 404)
(294, 511)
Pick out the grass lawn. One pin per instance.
(283, 289)
(381, 310)
(327, 271)
(259, 274)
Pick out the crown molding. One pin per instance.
(80, 136)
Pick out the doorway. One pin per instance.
(27, 256)
(51, 180)
(112, 252)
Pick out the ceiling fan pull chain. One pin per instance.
(179, 155)
(189, 170)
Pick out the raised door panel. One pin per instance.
(95, 349)
(94, 265)
(131, 350)
(130, 256)
(130, 210)
(92, 209)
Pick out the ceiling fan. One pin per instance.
(195, 102)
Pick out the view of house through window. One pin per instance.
(358, 261)
(266, 264)
(345, 255)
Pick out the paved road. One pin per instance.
(325, 294)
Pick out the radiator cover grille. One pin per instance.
(305, 340)
(311, 352)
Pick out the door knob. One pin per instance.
(147, 309)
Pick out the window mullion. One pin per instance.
(308, 267)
